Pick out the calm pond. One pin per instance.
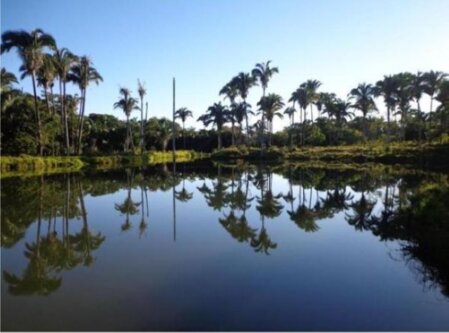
(226, 248)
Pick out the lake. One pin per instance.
(203, 246)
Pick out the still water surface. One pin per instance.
(256, 248)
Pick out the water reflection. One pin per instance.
(408, 207)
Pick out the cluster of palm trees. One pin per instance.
(47, 64)
(401, 94)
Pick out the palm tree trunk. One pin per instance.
(52, 100)
(365, 127)
(232, 132)
(219, 138)
(184, 135)
(126, 148)
(142, 145)
(311, 113)
(38, 118)
(388, 123)
(81, 122)
(66, 124)
(262, 132)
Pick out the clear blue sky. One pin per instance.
(203, 43)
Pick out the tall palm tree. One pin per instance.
(270, 106)
(290, 112)
(363, 97)
(64, 61)
(127, 104)
(300, 96)
(244, 82)
(417, 88)
(46, 76)
(216, 114)
(230, 91)
(262, 73)
(183, 114)
(311, 87)
(387, 88)
(82, 73)
(142, 92)
(404, 96)
(432, 81)
(239, 111)
(30, 47)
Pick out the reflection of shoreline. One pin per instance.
(408, 208)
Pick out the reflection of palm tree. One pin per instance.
(269, 205)
(35, 279)
(263, 243)
(128, 207)
(337, 200)
(362, 210)
(183, 195)
(85, 242)
(216, 197)
(238, 227)
(304, 218)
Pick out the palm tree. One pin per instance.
(82, 73)
(6, 80)
(262, 73)
(216, 114)
(30, 48)
(243, 82)
(164, 132)
(183, 114)
(230, 91)
(339, 109)
(387, 88)
(142, 92)
(432, 81)
(404, 96)
(300, 96)
(270, 106)
(127, 104)
(46, 76)
(239, 111)
(290, 112)
(64, 60)
(363, 97)
(7, 93)
(311, 87)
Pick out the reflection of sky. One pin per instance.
(335, 278)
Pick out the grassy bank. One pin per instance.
(24, 165)
(393, 153)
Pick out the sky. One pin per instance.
(204, 43)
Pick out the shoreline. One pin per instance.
(428, 156)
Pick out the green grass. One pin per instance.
(34, 165)
(389, 153)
